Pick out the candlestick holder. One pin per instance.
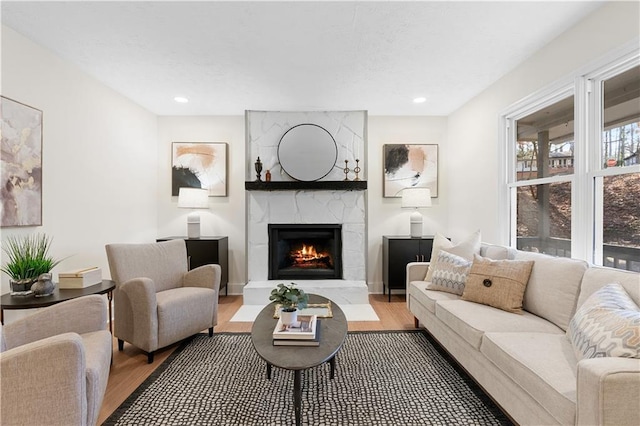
(258, 166)
(356, 170)
(346, 170)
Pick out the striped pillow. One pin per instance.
(606, 325)
(449, 273)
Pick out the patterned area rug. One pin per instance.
(382, 378)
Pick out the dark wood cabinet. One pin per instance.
(397, 251)
(207, 250)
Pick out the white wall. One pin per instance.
(474, 179)
(385, 215)
(226, 214)
(99, 157)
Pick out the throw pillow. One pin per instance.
(465, 249)
(449, 273)
(498, 283)
(606, 325)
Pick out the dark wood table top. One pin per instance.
(332, 335)
(59, 295)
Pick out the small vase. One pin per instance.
(22, 287)
(44, 286)
(289, 317)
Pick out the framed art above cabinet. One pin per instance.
(199, 165)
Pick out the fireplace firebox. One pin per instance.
(305, 251)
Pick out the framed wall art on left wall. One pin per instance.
(199, 165)
(20, 164)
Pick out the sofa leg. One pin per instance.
(120, 345)
(150, 358)
(416, 323)
(211, 332)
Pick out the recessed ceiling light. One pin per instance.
(181, 99)
(419, 100)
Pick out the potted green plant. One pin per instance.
(27, 258)
(291, 300)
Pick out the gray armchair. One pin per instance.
(157, 300)
(54, 364)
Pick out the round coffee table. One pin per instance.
(298, 358)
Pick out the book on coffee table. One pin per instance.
(303, 329)
(300, 342)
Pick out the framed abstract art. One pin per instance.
(20, 164)
(199, 165)
(410, 166)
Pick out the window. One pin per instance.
(573, 167)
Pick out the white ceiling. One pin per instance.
(228, 57)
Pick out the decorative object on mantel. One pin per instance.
(21, 164)
(267, 176)
(307, 152)
(44, 286)
(416, 198)
(356, 170)
(410, 166)
(28, 259)
(291, 300)
(193, 198)
(199, 165)
(346, 170)
(258, 166)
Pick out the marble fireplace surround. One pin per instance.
(306, 206)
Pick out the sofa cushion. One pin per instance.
(607, 324)
(449, 273)
(496, 252)
(553, 287)
(428, 298)
(542, 364)
(498, 283)
(465, 248)
(471, 320)
(597, 277)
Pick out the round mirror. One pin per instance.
(307, 152)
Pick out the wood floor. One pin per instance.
(130, 368)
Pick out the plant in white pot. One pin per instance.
(291, 299)
(27, 259)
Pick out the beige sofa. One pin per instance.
(525, 362)
(54, 364)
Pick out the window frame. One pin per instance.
(585, 85)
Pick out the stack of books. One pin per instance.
(305, 332)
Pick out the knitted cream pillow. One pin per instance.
(607, 324)
(465, 249)
(449, 273)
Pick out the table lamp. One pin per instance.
(193, 198)
(416, 198)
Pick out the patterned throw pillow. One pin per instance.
(498, 283)
(449, 273)
(465, 249)
(606, 325)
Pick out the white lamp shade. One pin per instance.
(193, 198)
(416, 198)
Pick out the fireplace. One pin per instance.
(305, 251)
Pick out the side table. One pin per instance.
(207, 250)
(397, 251)
(7, 301)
